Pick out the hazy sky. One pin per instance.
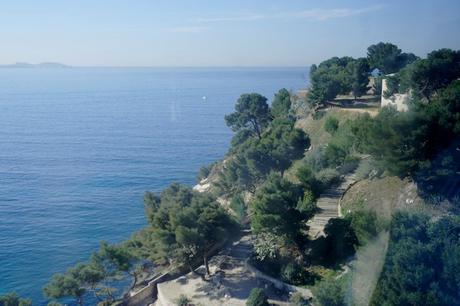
(218, 32)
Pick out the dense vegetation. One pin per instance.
(423, 262)
(266, 141)
(272, 177)
(186, 226)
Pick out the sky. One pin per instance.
(218, 32)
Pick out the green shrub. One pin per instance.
(331, 125)
(12, 299)
(334, 155)
(315, 159)
(308, 204)
(340, 238)
(183, 300)
(318, 115)
(294, 274)
(364, 224)
(239, 207)
(297, 299)
(330, 293)
(205, 171)
(308, 180)
(328, 177)
(257, 298)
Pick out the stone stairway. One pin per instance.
(328, 206)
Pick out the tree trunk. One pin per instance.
(206, 265)
(134, 275)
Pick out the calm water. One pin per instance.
(78, 147)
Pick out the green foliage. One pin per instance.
(395, 140)
(340, 147)
(205, 171)
(267, 246)
(251, 113)
(341, 240)
(328, 177)
(257, 298)
(360, 77)
(281, 105)
(183, 300)
(388, 58)
(427, 76)
(297, 299)
(420, 143)
(239, 207)
(318, 115)
(187, 225)
(309, 181)
(364, 224)
(256, 158)
(66, 285)
(12, 299)
(392, 82)
(330, 292)
(274, 209)
(110, 263)
(332, 77)
(294, 274)
(307, 206)
(331, 125)
(422, 263)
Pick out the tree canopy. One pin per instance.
(274, 209)
(187, 225)
(281, 105)
(388, 58)
(423, 262)
(12, 299)
(255, 158)
(252, 113)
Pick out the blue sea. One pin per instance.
(79, 146)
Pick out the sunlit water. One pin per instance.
(78, 147)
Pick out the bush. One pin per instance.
(257, 298)
(308, 180)
(297, 299)
(308, 204)
(331, 125)
(204, 172)
(328, 177)
(183, 300)
(315, 158)
(238, 206)
(334, 155)
(341, 239)
(12, 299)
(364, 224)
(318, 115)
(294, 274)
(330, 293)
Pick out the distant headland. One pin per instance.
(41, 65)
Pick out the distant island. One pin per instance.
(41, 65)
